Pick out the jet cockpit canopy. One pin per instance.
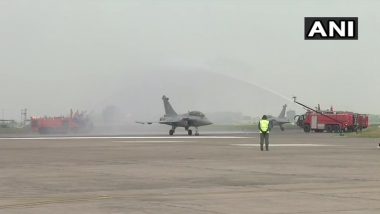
(196, 113)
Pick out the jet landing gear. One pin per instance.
(171, 131)
(196, 131)
(190, 132)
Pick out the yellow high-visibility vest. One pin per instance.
(264, 125)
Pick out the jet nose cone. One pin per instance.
(208, 122)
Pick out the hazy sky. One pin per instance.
(57, 55)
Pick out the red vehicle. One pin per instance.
(62, 125)
(330, 121)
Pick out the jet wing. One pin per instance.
(164, 121)
(145, 122)
(171, 121)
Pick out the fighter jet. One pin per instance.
(280, 120)
(191, 119)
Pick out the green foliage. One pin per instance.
(243, 128)
(7, 130)
(371, 132)
(374, 119)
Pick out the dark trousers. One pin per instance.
(264, 137)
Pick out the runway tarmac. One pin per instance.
(221, 173)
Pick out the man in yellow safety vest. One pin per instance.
(264, 127)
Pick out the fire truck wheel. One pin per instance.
(336, 128)
(306, 128)
(329, 128)
(43, 130)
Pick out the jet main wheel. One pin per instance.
(171, 132)
(189, 132)
(196, 131)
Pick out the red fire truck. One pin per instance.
(330, 121)
(77, 122)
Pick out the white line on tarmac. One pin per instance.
(284, 145)
(152, 141)
(120, 137)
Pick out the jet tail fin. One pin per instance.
(282, 113)
(168, 108)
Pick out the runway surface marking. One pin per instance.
(284, 145)
(152, 141)
(120, 137)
